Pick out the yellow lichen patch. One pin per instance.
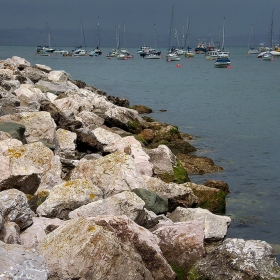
(68, 183)
(92, 195)
(91, 228)
(15, 153)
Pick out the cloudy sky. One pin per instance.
(140, 16)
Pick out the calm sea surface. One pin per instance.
(233, 113)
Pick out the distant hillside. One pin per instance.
(32, 36)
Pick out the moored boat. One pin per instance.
(222, 62)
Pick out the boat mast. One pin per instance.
(271, 28)
(171, 25)
(223, 42)
(98, 34)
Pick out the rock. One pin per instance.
(164, 133)
(34, 74)
(195, 165)
(220, 185)
(141, 109)
(15, 208)
(67, 251)
(65, 143)
(43, 68)
(87, 141)
(73, 103)
(39, 125)
(9, 105)
(215, 225)
(105, 137)
(34, 234)
(166, 165)
(61, 119)
(124, 203)
(10, 85)
(16, 130)
(182, 244)
(132, 147)
(238, 259)
(119, 101)
(59, 76)
(19, 262)
(176, 194)
(68, 196)
(29, 166)
(90, 120)
(10, 233)
(153, 202)
(5, 74)
(113, 173)
(28, 94)
(56, 87)
(212, 199)
(147, 135)
(124, 118)
(143, 241)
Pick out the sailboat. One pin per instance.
(80, 51)
(46, 50)
(189, 52)
(153, 53)
(252, 50)
(270, 54)
(97, 51)
(172, 55)
(223, 60)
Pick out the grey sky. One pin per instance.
(140, 16)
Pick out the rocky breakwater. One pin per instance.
(89, 189)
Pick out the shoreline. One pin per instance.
(76, 145)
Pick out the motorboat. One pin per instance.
(268, 56)
(201, 48)
(79, 52)
(222, 62)
(172, 56)
(95, 52)
(211, 54)
(153, 56)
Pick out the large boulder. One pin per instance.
(166, 165)
(68, 196)
(29, 166)
(210, 198)
(182, 244)
(176, 194)
(238, 259)
(55, 87)
(39, 125)
(19, 262)
(113, 173)
(28, 93)
(196, 165)
(65, 143)
(134, 148)
(34, 74)
(215, 226)
(124, 203)
(153, 202)
(81, 249)
(142, 240)
(15, 208)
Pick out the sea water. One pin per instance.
(233, 114)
